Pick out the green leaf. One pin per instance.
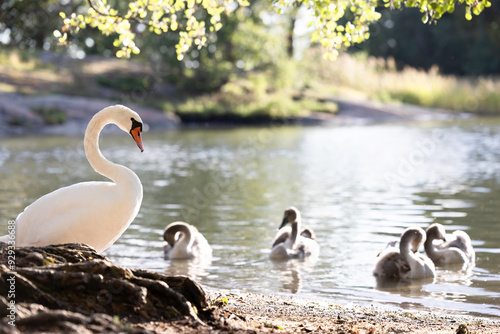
(468, 15)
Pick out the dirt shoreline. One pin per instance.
(258, 313)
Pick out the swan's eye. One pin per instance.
(135, 124)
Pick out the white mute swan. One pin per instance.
(288, 243)
(185, 242)
(457, 249)
(405, 262)
(94, 213)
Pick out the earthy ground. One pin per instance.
(255, 313)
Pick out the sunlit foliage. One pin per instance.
(434, 9)
(338, 23)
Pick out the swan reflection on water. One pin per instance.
(290, 272)
(450, 289)
(414, 289)
(193, 268)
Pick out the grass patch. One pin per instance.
(270, 107)
(51, 115)
(270, 325)
(124, 83)
(378, 79)
(254, 96)
(19, 59)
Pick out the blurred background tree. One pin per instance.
(257, 36)
(456, 45)
(244, 43)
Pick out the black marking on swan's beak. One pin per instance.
(135, 132)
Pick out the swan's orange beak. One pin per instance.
(136, 134)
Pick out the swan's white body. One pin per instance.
(405, 263)
(183, 241)
(457, 249)
(94, 213)
(289, 244)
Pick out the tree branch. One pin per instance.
(91, 4)
(131, 17)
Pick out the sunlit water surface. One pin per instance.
(357, 187)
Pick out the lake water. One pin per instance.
(358, 187)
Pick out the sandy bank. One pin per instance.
(256, 313)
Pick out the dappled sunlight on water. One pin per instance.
(357, 187)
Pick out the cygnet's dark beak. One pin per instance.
(283, 223)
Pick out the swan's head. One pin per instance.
(436, 231)
(462, 237)
(174, 231)
(291, 215)
(415, 236)
(129, 121)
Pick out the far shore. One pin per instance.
(17, 116)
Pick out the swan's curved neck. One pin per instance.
(405, 249)
(185, 238)
(100, 164)
(295, 230)
(429, 247)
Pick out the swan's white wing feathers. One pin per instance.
(390, 264)
(282, 235)
(83, 212)
(455, 250)
(201, 247)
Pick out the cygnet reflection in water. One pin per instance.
(290, 272)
